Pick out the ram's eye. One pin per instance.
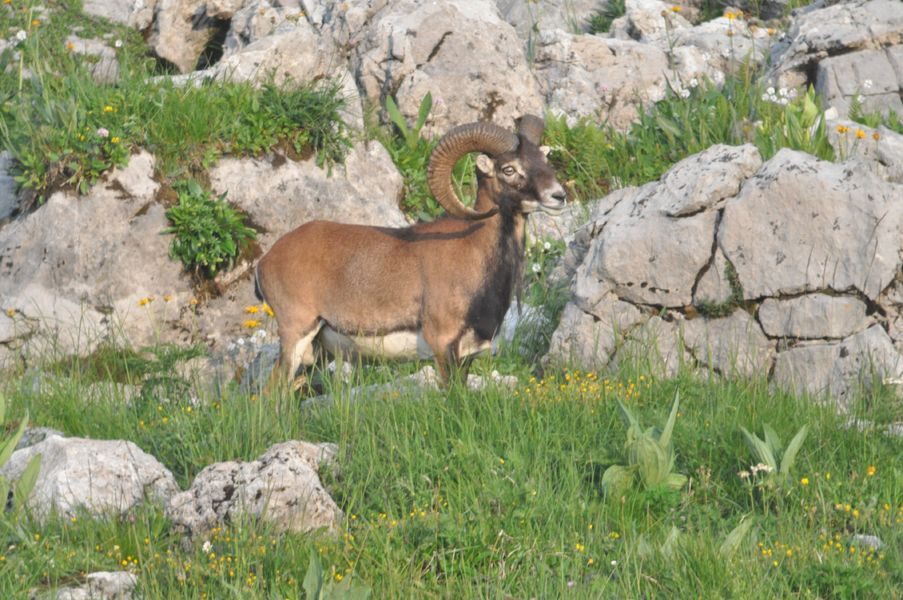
(509, 170)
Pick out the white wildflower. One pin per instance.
(784, 101)
(21, 36)
(206, 547)
(547, 246)
(765, 97)
(103, 132)
(614, 563)
(860, 98)
(770, 91)
(743, 474)
(792, 93)
(117, 44)
(694, 82)
(782, 92)
(536, 268)
(684, 93)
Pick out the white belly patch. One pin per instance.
(401, 345)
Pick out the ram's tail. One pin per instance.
(257, 291)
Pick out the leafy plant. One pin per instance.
(209, 233)
(318, 589)
(734, 539)
(26, 482)
(600, 21)
(770, 452)
(650, 456)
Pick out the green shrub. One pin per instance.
(594, 159)
(209, 233)
(600, 21)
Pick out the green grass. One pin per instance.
(488, 494)
(595, 158)
(66, 130)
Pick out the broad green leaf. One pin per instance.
(772, 439)
(627, 416)
(735, 538)
(670, 542)
(425, 105)
(793, 449)
(27, 481)
(313, 581)
(9, 446)
(759, 448)
(676, 481)
(665, 438)
(396, 117)
(617, 478)
(345, 591)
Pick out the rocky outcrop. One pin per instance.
(102, 477)
(282, 487)
(852, 48)
(785, 269)
(470, 60)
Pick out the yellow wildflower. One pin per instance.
(36, 22)
(114, 140)
(804, 481)
(10, 312)
(676, 8)
(876, 136)
(251, 323)
(266, 308)
(730, 15)
(842, 129)
(108, 108)
(70, 46)
(871, 470)
(860, 134)
(252, 310)
(167, 298)
(145, 301)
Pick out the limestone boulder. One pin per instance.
(529, 18)
(102, 477)
(851, 48)
(804, 225)
(583, 76)
(282, 487)
(8, 201)
(813, 316)
(75, 270)
(470, 60)
(839, 370)
(650, 22)
(734, 345)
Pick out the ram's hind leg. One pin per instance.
(296, 349)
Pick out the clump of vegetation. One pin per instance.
(209, 233)
(595, 159)
(65, 130)
(600, 20)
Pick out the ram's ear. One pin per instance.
(486, 165)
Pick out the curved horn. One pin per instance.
(475, 137)
(531, 127)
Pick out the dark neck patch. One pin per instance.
(503, 268)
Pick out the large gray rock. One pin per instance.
(102, 585)
(650, 22)
(585, 76)
(73, 286)
(733, 345)
(118, 11)
(875, 77)
(282, 487)
(462, 52)
(282, 194)
(804, 225)
(839, 370)
(813, 316)
(102, 477)
(845, 45)
(181, 30)
(529, 17)
(657, 241)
